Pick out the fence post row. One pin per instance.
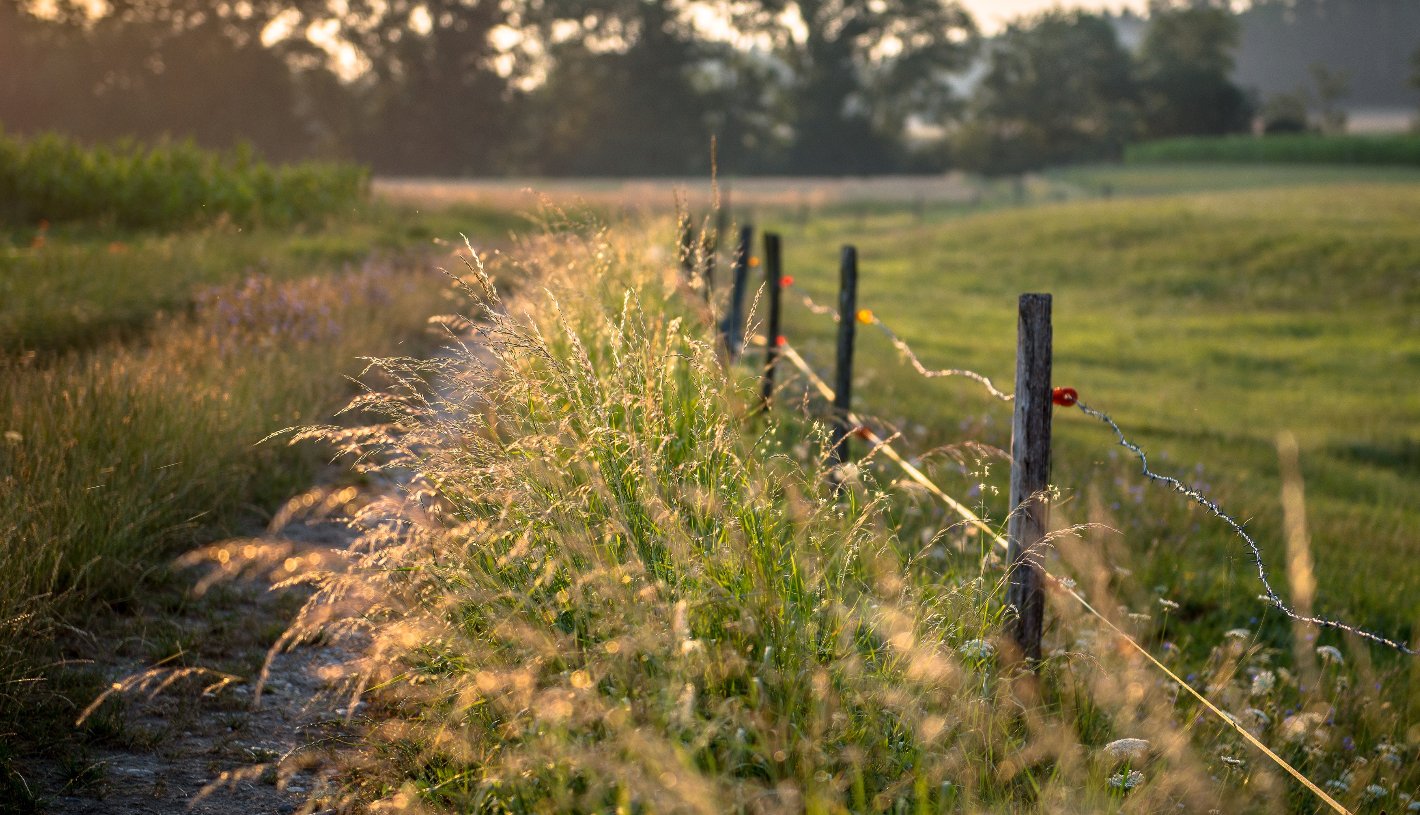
(773, 274)
(843, 370)
(732, 328)
(1030, 472)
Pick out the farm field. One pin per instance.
(1206, 324)
(1207, 311)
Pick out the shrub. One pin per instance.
(53, 178)
(1281, 148)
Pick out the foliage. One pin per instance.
(1060, 88)
(651, 117)
(858, 71)
(1185, 73)
(1292, 149)
(186, 68)
(52, 178)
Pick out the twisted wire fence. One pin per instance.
(1067, 397)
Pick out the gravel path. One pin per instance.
(183, 750)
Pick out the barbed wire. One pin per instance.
(1070, 399)
(1271, 597)
(1064, 585)
(867, 317)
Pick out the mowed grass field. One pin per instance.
(1207, 324)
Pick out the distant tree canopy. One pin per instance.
(1185, 70)
(437, 87)
(1060, 88)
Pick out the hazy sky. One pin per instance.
(991, 15)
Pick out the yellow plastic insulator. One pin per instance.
(865, 316)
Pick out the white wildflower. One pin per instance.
(1238, 634)
(1263, 683)
(1375, 791)
(1337, 785)
(1329, 653)
(976, 649)
(1128, 749)
(1259, 719)
(1235, 763)
(1413, 806)
(1168, 605)
(1298, 727)
(1120, 781)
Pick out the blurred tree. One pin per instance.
(1185, 65)
(148, 69)
(629, 89)
(854, 71)
(1331, 87)
(1287, 113)
(1060, 88)
(436, 102)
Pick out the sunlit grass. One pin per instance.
(80, 286)
(610, 585)
(1206, 325)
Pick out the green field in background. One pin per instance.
(1207, 324)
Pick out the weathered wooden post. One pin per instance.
(732, 328)
(710, 250)
(773, 282)
(1030, 472)
(843, 372)
(687, 248)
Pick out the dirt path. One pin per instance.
(167, 752)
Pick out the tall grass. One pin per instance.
(609, 584)
(116, 459)
(54, 178)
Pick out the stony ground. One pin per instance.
(183, 749)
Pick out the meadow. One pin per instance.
(614, 585)
(138, 371)
(1206, 324)
(620, 587)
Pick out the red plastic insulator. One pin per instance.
(1064, 397)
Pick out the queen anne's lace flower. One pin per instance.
(1127, 749)
(976, 649)
(1330, 653)
(1120, 781)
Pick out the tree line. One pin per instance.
(580, 87)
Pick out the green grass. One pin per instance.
(138, 371)
(1206, 324)
(1148, 178)
(78, 286)
(53, 178)
(621, 588)
(1301, 148)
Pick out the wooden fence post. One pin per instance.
(687, 248)
(1030, 472)
(732, 328)
(773, 281)
(710, 249)
(843, 372)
